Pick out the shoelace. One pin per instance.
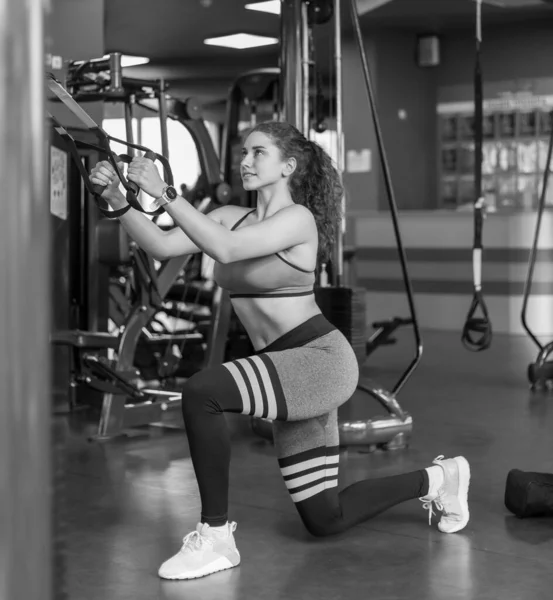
(194, 541)
(428, 506)
(438, 500)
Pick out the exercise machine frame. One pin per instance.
(148, 405)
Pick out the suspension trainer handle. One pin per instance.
(153, 156)
(97, 190)
(129, 185)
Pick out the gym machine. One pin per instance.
(344, 306)
(540, 372)
(126, 404)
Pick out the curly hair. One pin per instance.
(315, 183)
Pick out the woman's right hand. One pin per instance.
(104, 174)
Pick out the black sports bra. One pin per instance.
(264, 276)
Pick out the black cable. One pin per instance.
(534, 250)
(391, 200)
(477, 331)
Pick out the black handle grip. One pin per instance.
(98, 189)
(133, 187)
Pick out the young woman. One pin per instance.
(303, 368)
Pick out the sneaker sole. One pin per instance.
(464, 483)
(221, 564)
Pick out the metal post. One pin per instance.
(338, 270)
(291, 62)
(25, 465)
(116, 73)
(129, 105)
(163, 119)
(305, 63)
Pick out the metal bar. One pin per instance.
(70, 103)
(116, 73)
(305, 64)
(338, 266)
(209, 162)
(163, 118)
(25, 410)
(290, 62)
(128, 124)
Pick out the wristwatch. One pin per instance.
(169, 195)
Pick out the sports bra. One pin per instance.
(263, 276)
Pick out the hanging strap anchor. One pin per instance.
(103, 147)
(477, 331)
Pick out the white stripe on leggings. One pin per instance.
(268, 386)
(310, 464)
(313, 491)
(310, 478)
(233, 370)
(257, 399)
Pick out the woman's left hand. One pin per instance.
(144, 173)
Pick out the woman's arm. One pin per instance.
(160, 244)
(289, 227)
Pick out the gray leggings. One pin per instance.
(299, 381)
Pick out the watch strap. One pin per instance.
(161, 201)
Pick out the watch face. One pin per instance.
(171, 192)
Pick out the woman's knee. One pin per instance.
(321, 527)
(320, 517)
(199, 395)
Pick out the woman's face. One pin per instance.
(261, 164)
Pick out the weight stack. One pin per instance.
(345, 308)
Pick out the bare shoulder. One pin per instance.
(229, 214)
(299, 213)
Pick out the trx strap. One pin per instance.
(103, 146)
(477, 331)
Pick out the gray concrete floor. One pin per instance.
(130, 501)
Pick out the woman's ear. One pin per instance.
(289, 167)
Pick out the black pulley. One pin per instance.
(222, 193)
(320, 12)
(193, 109)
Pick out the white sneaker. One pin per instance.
(204, 551)
(452, 496)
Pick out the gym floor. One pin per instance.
(130, 501)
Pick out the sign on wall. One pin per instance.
(58, 182)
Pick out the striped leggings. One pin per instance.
(299, 381)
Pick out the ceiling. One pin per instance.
(171, 33)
